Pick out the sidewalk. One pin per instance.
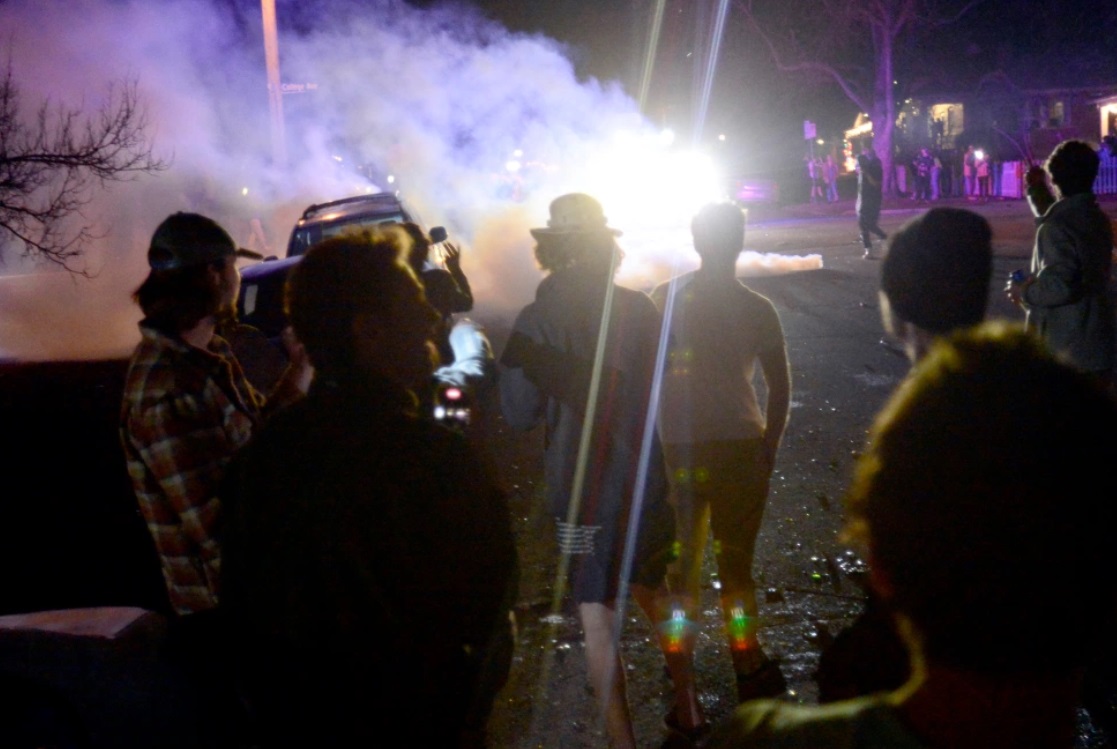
(761, 213)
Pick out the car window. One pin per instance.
(304, 237)
(332, 230)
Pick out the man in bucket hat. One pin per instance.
(593, 398)
(575, 213)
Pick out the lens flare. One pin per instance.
(741, 627)
(650, 191)
(643, 183)
(676, 631)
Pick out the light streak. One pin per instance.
(639, 491)
(649, 186)
(711, 68)
(650, 52)
(580, 475)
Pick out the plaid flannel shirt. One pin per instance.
(185, 412)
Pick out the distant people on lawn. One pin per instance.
(816, 177)
(870, 178)
(921, 169)
(983, 174)
(830, 170)
(969, 172)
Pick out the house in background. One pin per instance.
(1016, 126)
(1107, 108)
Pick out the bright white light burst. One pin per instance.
(651, 191)
(643, 184)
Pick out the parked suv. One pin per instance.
(261, 293)
(325, 220)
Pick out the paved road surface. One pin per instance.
(842, 373)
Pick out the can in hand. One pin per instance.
(1018, 276)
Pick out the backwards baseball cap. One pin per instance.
(188, 239)
(575, 213)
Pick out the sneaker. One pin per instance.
(766, 681)
(679, 737)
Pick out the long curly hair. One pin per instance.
(555, 252)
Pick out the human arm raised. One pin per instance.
(1040, 197)
(452, 257)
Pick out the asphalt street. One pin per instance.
(843, 370)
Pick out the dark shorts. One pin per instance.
(596, 554)
(726, 481)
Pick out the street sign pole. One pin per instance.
(810, 132)
(275, 93)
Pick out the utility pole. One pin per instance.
(275, 93)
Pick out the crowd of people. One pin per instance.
(928, 175)
(935, 174)
(338, 563)
(823, 176)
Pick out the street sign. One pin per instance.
(298, 88)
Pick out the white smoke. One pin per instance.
(442, 99)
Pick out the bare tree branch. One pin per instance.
(801, 65)
(952, 19)
(884, 23)
(51, 163)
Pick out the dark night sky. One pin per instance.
(607, 39)
(1040, 43)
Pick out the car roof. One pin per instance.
(385, 203)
